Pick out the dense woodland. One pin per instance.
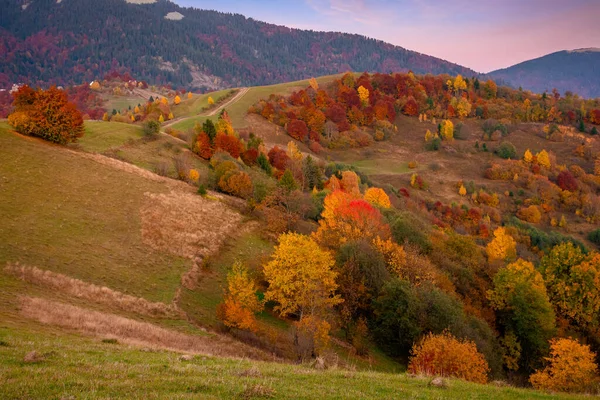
(44, 44)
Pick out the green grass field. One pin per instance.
(194, 106)
(73, 366)
(75, 216)
(100, 136)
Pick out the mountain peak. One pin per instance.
(585, 50)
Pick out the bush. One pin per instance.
(507, 151)
(566, 181)
(447, 356)
(47, 114)
(151, 129)
(530, 214)
(570, 368)
(594, 237)
(434, 145)
(236, 183)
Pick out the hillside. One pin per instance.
(576, 71)
(42, 43)
(418, 200)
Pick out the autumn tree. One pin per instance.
(302, 282)
(47, 114)
(573, 280)
(346, 218)
(447, 130)
(445, 355)
(363, 94)
(297, 129)
(502, 247)
(377, 197)
(521, 301)
(210, 101)
(543, 159)
(528, 157)
(570, 368)
(177, 100)
(313, 84)
(240, 301)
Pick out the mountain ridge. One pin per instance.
(566, 70)
(205, 49)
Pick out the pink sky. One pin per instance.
(481, 34)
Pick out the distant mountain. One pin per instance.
(577, 71)
(72, 41)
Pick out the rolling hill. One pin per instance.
(43, 43)
(576, 71)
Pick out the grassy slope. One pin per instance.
(78, 367)
(80, 218)
(100, 136)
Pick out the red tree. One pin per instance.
(229, 143)
(278, 158)
(297, 129)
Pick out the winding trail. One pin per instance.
(234, 99)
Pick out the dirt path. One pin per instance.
(234, 99)
(218, 109)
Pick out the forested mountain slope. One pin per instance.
(64, 42)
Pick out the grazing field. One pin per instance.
(71, 366)
(100, 136)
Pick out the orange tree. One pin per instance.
(445, 355)
(570, 368)
(47, 114)
(240, 302)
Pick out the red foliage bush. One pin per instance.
(203, 147)
(315, 147)
(229, 143)
(278, 158)
(411, 107)
(249, 156)
(297, 129)
(566, 181)
(336, 113)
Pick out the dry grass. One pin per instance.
(186, 225)
(88, 291)
(133, 332)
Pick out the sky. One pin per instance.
(484, 35)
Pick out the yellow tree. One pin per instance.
(350, 183)
(447, 130)
(313, 84)
(502, 247)
(378, 197)
(164, 101)
(171, 116)
(459, 83)
(136, 110)
(210, 101)
(543, 159)
(363, 93)
(462, 190)
(429, 136)
(301, 279)
(463, 108)
(177, 100)
(105, 117)
(189, 95)
(240, 302)
(528, 157)
(161, 119)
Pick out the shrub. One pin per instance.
(570, 368)
(447, 356)
(250, 156)
(566, 181)
(236, 183)
(47, 114)
(151, 129)
(507, 150)
(594, 237)
(229, 143)
(297, 129)
(434, 145)
(530, 214)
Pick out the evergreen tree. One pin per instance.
(209, 128)
(263, 163)
(287, 181)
